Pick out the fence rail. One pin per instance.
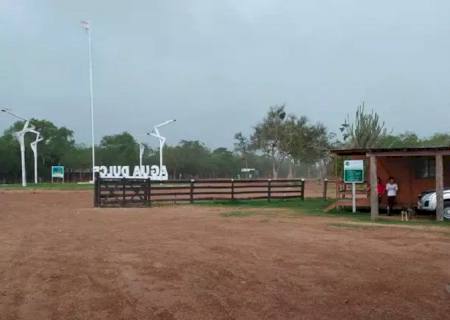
(139, 192)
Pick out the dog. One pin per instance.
(407, 214)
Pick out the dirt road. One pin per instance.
(62, 259)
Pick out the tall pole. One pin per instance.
(161, 147)
(21, 138)
(34, 146)
(141, 153)
(87, 27)
(35, 167)
(155, 133)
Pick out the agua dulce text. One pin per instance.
(138, 172)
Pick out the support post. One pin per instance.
(192, 191)
(232, 189)
(325, 188)
(96, 190)
(22, 159)
(374, 209)
(269, 190)
(148, 192)
(124, 181)
(303, 189)
(354, 197)
(439, 188)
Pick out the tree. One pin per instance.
(224, 163)
(304, 143)
(404, 140)
(118, 149)
(366, 131)
(9, 159)
(58, 141)
(242, 146)
(438, 140)
(268, 137)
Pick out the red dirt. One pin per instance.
(62, 259)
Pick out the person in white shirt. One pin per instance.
(391, 191)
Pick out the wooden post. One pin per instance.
(303, 189)
(439, 188)
(149, 192)
(97, 190)
(192, 191)
(325, 187)
(124, 181)
(269, 190)
(374, 209)
(232, 189)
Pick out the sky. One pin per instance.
(217, 66)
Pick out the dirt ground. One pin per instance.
(62, 259)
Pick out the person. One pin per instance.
(381, 188)
(391, 190)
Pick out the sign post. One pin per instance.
(354, 173)
(58, 172)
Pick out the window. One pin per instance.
(425, 168)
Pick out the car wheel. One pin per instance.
(447, 213)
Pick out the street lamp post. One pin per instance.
(33, 145)
(141, 153)
(162, 140)
(86, 26)
(20, 136)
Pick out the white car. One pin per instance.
(427, 202)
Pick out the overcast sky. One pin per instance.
(216, 66)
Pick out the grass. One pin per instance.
(353, 226)
(312, 207)
(237, 213)
(47, 186)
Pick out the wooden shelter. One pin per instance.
(415, 170)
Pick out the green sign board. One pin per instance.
(58, 172)
(353, 171)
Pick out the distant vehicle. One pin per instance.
(427, 202)
(248, 173)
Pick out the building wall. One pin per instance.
(404, 172)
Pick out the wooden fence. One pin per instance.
(144, 192)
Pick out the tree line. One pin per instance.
(280, 145)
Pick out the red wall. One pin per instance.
(403, 170)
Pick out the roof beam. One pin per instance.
(417, 153)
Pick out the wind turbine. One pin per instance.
(155, 133)
(20, 136)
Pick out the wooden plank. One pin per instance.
(418, 153)
(139, 192)
(439, 188)
(374, 210)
